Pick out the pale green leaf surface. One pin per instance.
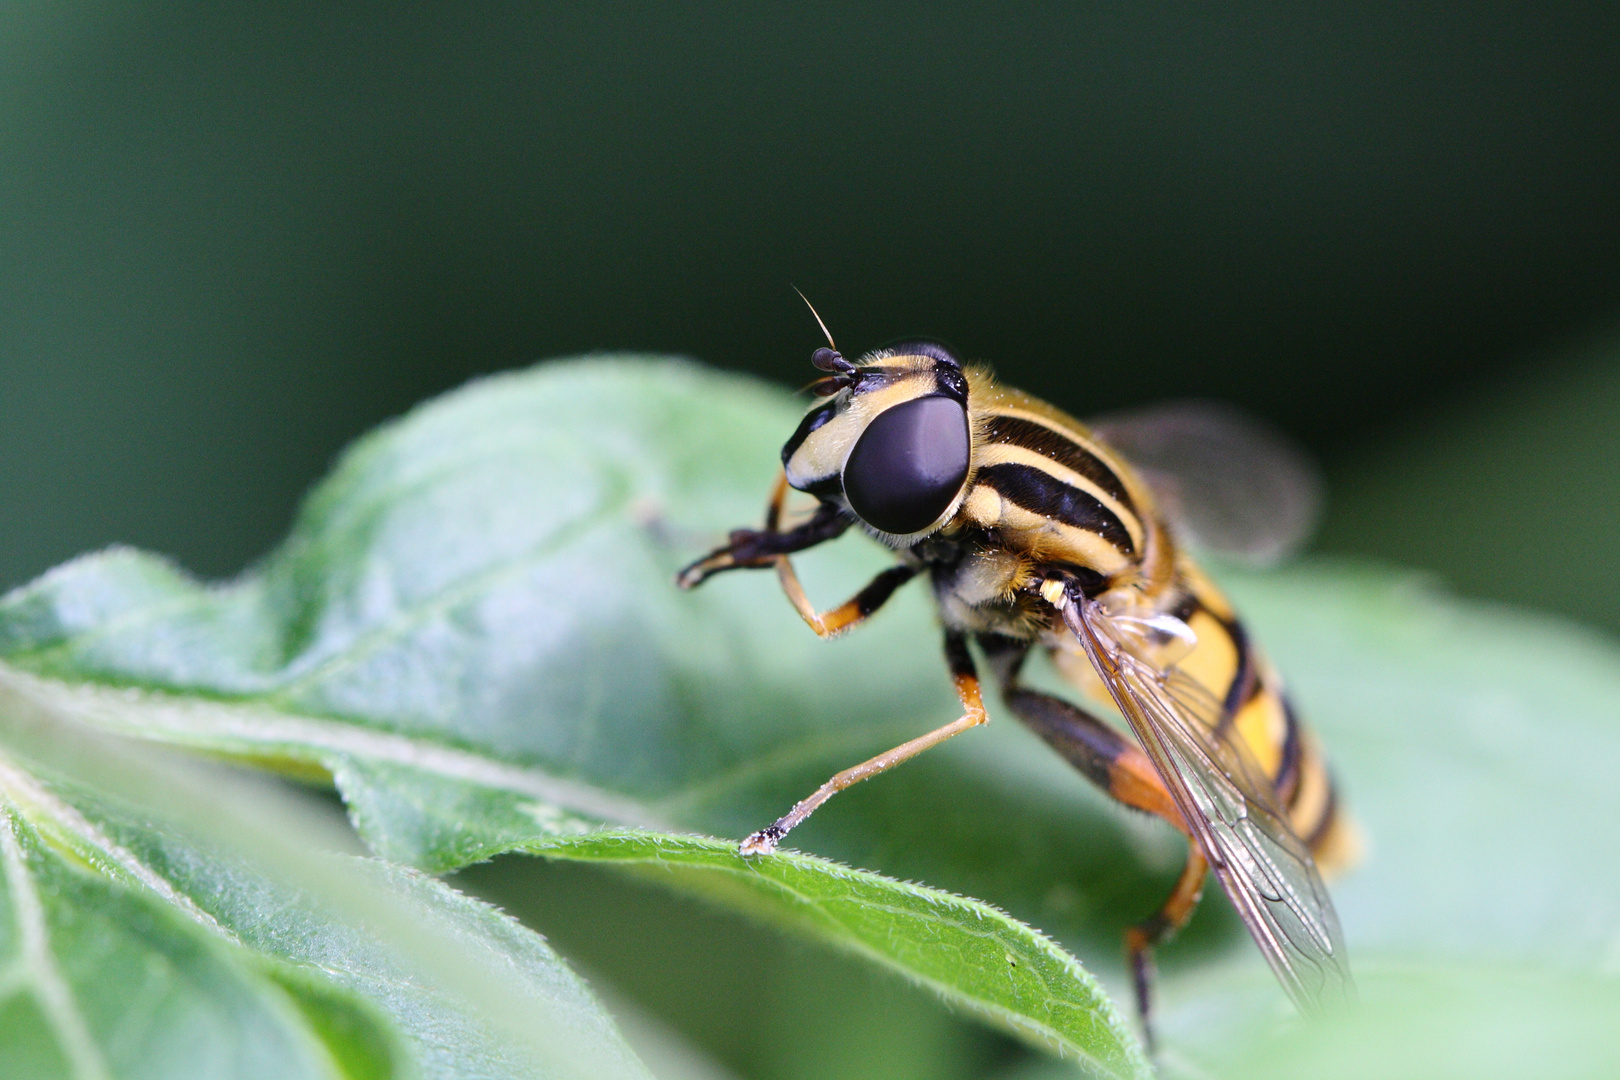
(1417, 1019)
(178, 920)
(443, 635)
(109, 981)
(966, 950)
(1477, 746)
(446, 1035)
(472, 628)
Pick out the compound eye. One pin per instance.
(909, 464)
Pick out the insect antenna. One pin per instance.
(828, 358)
(817, 316)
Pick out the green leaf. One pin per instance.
(472, 630)
(165, 921)
(755, 1002)
(966, 950)
(1435, 1020)
(105, 981)
(1477, 746)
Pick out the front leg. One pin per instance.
(967, 689)
(747, 548)
(852, 612)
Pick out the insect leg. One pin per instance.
(1111, 761)
(851, 612)
(1171, 917)
(773, 505)
(967, 689)
(750, 548)
(1102, 754)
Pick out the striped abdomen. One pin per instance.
(1256, 711)
(1060, 496)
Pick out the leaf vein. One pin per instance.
(68, 1023)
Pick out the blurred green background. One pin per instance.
(234, 238)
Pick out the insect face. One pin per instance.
(891, 436)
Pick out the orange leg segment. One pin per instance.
(967, 689)
(1119, 767)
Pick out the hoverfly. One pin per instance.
(1034, 531)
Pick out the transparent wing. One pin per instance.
(1226, 800)
(1227, 482)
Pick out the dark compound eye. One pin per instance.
(908, 464)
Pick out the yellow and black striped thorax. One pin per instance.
(1047, 487)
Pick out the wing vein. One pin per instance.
(1227, 802)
